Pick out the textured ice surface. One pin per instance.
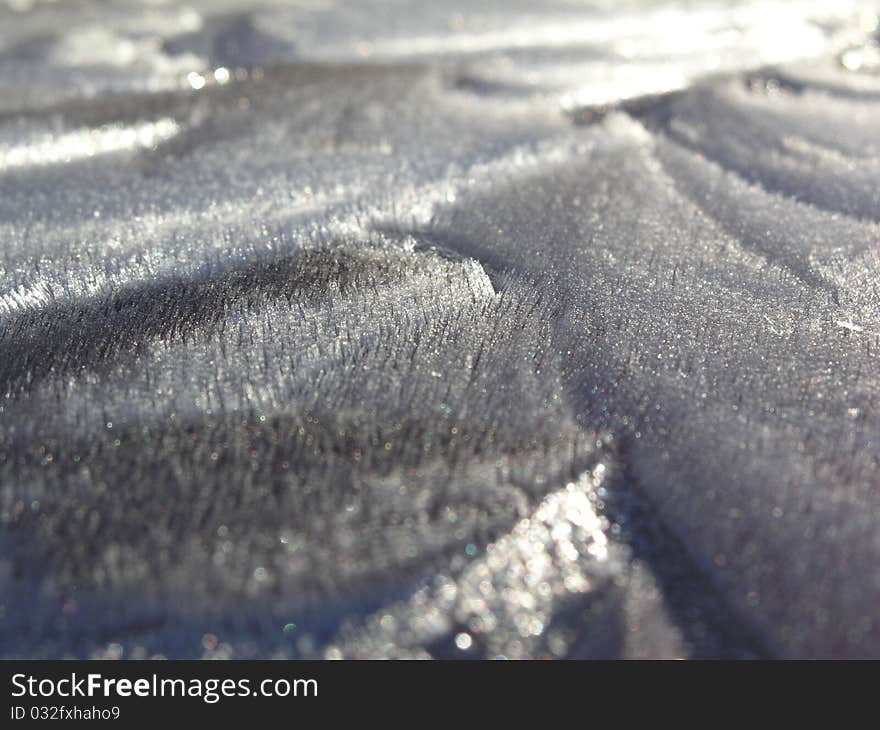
(407, 329)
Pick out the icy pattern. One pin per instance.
(476, 330)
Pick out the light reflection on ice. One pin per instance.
(84, 143)
(508, 596)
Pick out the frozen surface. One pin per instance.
(459, 330)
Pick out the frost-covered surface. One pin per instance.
(392, 329)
